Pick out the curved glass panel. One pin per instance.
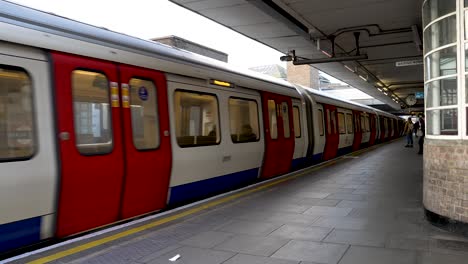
(442, 122)
(442, 92)
(441, 63)
(441, 33)
(433, 9)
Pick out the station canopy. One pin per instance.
(373, 45)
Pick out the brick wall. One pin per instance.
(446, 178)
(303, 74)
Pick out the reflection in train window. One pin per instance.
(143, 106)
(320, 121)
(273, 119)
(93, 129)
(17, 133)
(341, 123)
(196, 119)
(243, 119)
(297, 121)
(285, 117)
(349, 123)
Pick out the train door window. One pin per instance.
(285, 117)
(356, 123)
(93, 128)
(367, 123)
(243, 119)
(196, 118)
(328, 122)
(273, 119)
(297, 121)
(363, 123)
(320, 122)
(333, 121)
(17, 135)
(143, 107)
(341, 123)
(349, 123)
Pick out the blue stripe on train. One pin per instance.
(20, 233)
(189, 192)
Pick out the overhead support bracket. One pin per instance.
(326, 60)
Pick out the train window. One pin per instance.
(143, 106)
(17, 135)
(341, 123)
(349, 123)
(196, 118)
(320, 122)
(243, 119)
(93, 128)
(297, 121)
(328, 122)
(285, 117)
(273, 119)
(367, 123)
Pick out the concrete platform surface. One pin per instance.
(362, 209)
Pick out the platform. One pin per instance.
(362, 208)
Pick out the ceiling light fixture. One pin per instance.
(362, 77)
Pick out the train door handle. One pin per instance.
(226, 158)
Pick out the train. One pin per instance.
(98, 127)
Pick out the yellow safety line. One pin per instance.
(134, 230)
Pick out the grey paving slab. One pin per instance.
(249, 259)
(253, 245)
(301, 233)
(371, 255)
(357, 204)
(342, 222)
(287, 218)
(353, 237)
(439, 258)
(328, 211)
(319, 195)
(347, 196)
(311, 251)
(249, 227)
(207, 239)
(191, 255)
(327, 202)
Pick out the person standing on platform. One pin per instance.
(408, 130)
(416, 126)
(421, 133)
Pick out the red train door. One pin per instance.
(373, 129)
(357, 130)
(331, 136)
(146, 140)
(90, 142)
(279, 134)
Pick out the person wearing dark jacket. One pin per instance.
(422, 128)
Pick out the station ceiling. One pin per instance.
(389, 34)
